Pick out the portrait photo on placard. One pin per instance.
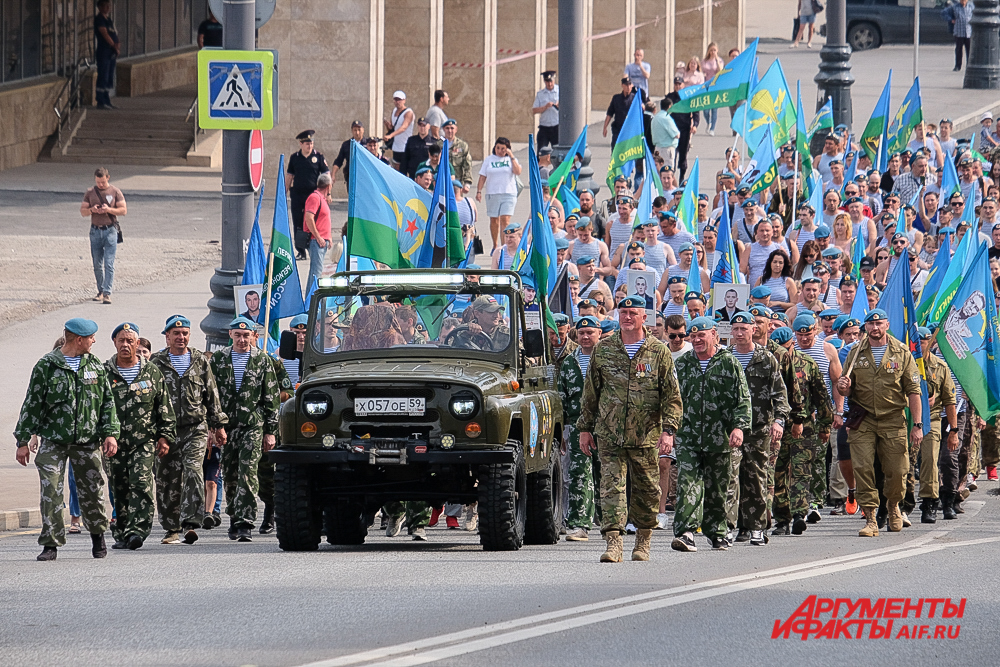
(248, 300)
(729, 299)
(643, 284)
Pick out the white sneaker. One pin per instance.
(394, 525)
(662, 521)
(630, 529)
(711, 133)
(419, 534)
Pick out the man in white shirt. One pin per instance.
(831, 151)
(546, 107)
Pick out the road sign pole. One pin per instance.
(237, 192)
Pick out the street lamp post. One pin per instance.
(572, 85)
(983, 68)
(834, 78)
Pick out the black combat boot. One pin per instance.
(267, 524)
(48, 553)
(928, 510)
(947, 505)
(100, 549)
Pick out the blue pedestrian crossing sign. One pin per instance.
(235, 89)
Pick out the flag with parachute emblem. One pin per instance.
(769, 105)
(630, 145)
(568, 170)
(727, 268)
(908, 116)
(651, 188)
(730, 84)
(762, 169)
(687, 209)
(823, 120)
(543, 243)
(934, 279)
(872, 141)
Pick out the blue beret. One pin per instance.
(637, 260)
(450, 121)
(829, 312)
(804, 323)
(455, 183)
(876, 315)
(780, 316)
(632, 302)
(851, 322)
(124, 326)
(620, 179)
(839, 322)
(609, 325)
(807, 205)
(652, 222)
(686, 246)
(873, 290)
(924, 332)
(423, 170)
(573, 215)
(242, 323)
(667, 215)
(472, 266)
(701, 324)
(528, 281)
(820, 264)
(176, 321)
(560, 318)
(635, 245)
(761, 310)
(695, 295)
(832, 251)
(299, 322)
(583, 223)
(81, 326)
(822, 232)
(586, 303)
(585, 260)
(512, 227)
(848, 281)
(781, 335)
(853, 200)
(588, 322)
(760, 292)
(836, 342)
(811, 279)
(750, 201)
(742, 317)
(702, 197)
(562, 244)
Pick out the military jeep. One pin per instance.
(420, 385)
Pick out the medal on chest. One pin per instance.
(642, 370)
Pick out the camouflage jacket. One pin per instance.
(940, 386)
(461, 160)
(568, 349)
(144, 407)
(796, 395)
(628, 402)
(255, 403)
(65, 407)
(715, 402)
(570, 385)
(768, 396)
(195, 397)
(818, 404)
(284, 380)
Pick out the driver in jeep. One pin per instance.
(485, 329)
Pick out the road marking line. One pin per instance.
(23, 532)
(477, 639)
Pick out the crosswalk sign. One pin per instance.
(235, 89)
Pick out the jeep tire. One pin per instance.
(545, 502)
(346, 523)
(297, 509)
(503, 502)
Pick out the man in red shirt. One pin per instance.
(317, 222)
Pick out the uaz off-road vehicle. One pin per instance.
(460, 408)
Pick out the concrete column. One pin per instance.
(471, 43)
(519, 28)
(728, 22)
(330, 73)
(437, 42)
(551, 60)
(408, 54)
(656, 40)
(693, 31)
(610, 54)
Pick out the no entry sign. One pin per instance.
(256, 158)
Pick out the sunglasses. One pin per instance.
(913, 259)
(899, 243)
(674, 336)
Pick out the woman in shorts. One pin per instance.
(498, 181)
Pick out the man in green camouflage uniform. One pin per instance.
(69, 407)
(148, 430)
(458, 153)
(794, 466)
(746, 497)
(632, 407)
(569, 382)
(582, 468)
(265, 469)
(180, 486)
(716, 414)
(250, 400)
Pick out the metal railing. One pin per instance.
(192, 112)
(64, 109)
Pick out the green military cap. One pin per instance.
(81, 326)
(701, 324)
(742, 317)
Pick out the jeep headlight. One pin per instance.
(463, 406)
(316, 405)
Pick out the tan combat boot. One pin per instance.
(871, 528)
(615, 546)
(894, 520)
(643, 537)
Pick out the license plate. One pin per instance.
(413, 407)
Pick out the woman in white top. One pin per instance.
(807, 17)
(498, 181)
(399, 130)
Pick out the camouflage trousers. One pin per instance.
(418, 513)
(581, 485)
(641, 465)
(889, 443)
(240, 457)
(817, 487)
(180, 485)
(131, 479)
(990, 445)
(793, 476)
(746, 496)
(929, 451)
(265, 480)
(51, 463)
(702, 482)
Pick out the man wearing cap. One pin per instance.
(343, 160)
(760, 295)
(673, 299)
(504, 256)
(883, 380)
(304, 167)
(398, 127)
(148, 429)
(618, 109)
(631, 408)
(590, 281)
(248, 393)
(191, 387)
(424, 177)
(70, 408)
(487, 318)
(459, 156)
(746, 496)
(583, 468)
(546, 107)
(744, 228)
(265, 468)
(297, 326)
(716, 414)
(908, 184)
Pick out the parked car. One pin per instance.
(872, 23)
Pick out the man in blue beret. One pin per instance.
(717, 413)
(826, 319)
(583, 468)
(70, 408)
(746, 497)
(761, 294)
(148, 430)
(631, 408)
(185, 475)
(883, 380)
(248, 392)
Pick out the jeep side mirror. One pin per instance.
(288, 346)
(534, 343)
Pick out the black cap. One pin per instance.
(625, 79)
(866, 263)
(548, 75)
(305, 135)
(357, 123)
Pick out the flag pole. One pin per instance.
(267, 300)
(795, 183)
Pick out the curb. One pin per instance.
(21, 518)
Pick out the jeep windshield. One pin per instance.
(416, 313)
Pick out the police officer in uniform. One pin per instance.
(883, 381)
(304, 167)
(547, 107)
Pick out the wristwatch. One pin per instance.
(670, 430)
(919, 425)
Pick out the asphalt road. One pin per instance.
(446, 602)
